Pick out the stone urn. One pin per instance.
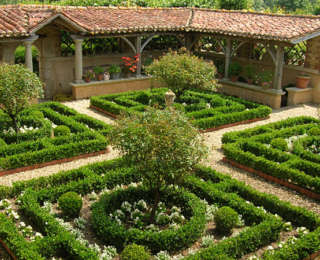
(169, 97)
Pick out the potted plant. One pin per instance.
(88, 75)
(234, 71)
(250, 73)
(266, 78)
(130, 64)
(114, 71)
(302, 81)
(98, 71)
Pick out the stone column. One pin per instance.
(228, 58)
(28, 54)
(278, 73)
(7, 52)
(78, 58)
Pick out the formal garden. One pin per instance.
(157, 198)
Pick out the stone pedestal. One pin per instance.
(299, 96)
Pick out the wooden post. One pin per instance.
(228, 58)
(138, 52)
(279, 61)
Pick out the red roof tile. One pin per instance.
(21, 20)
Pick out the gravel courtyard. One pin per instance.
(213, 141)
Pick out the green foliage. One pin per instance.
(70, 204)
(114, 69)
(233, 4)
(225, 218)
(151, 139)
(279, 143)
(183, 71)
(98, 70)
(250, 71)
(135, 252)
(62, 130)
(314, 131)
(235, 69)
(2, 143)
(18, 87)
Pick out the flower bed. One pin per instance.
(208, 110)
(287, 151)
(264, 216)
(50, 131)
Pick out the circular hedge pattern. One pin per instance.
(111, 232)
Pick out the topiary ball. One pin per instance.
(314, 131)
(62, 130)
(280, 143)
(2, 142)
(70, 204)
(225, 218)
(135, 252)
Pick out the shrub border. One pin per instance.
(54, 162)
(271, 178)
(154, 240)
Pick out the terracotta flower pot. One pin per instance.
(234, 78)
(100, 77)
(87, 79)
(302, 81)
(250, 81)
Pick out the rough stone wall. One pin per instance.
(313, 54)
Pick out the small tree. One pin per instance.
(18, 86)
(182, 71)
(162, 144)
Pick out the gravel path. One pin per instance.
(212, 139)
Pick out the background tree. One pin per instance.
(18, 87)
(234, 4)
(182, 71)
(162, 144)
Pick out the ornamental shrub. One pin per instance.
(151, 139)
(37, 114)
(61, 130)
(70, 203)
(135, 252)
(183, 71)
(314, 131)
(18, 87)
(279, 143)
(2, 142)
(225, 218)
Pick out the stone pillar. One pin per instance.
(228, 58)
(313, 54)
(78, 58)
(8, 50)
(28, 54)
(138, 52)
(278, 72)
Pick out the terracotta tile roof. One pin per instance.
(255, 25)
(21, 20)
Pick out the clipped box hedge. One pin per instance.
(262, 227)
(206, 109)
(85, 135)
(257, 148)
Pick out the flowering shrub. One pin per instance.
(131, 63)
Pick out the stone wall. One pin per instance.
(313, 54)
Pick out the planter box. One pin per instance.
(270, 97)
(97, 88)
